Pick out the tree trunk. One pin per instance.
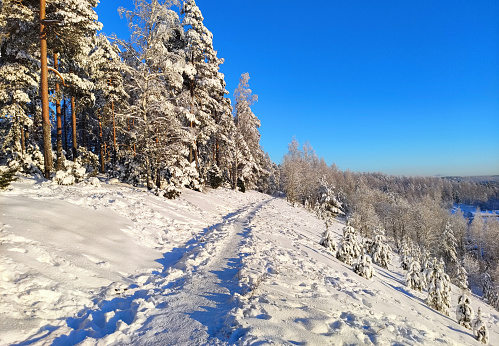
(64, 126)
(101, 145)
(44, 91)
(58, 165)
(23, 140)
(73, 123)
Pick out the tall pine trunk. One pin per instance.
(58, 165)
(44, 91)
(73, 127)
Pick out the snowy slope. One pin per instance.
(113, 264)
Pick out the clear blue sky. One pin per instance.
(400, 87)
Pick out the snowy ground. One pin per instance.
(113, 264)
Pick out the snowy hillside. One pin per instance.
(101, 264)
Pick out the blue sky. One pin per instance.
(405, 88)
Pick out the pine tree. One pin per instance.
(461, 278)
(414, 278)
(438, 288)
(349, 248)
(19, 82)
(328, 242)
(489, 291)
(480, 331)
(327, 207)
(364, 266)
(69, 45)
(405, 257)
(464, 311)
(448, 246)
(206, 85)
(380, 250)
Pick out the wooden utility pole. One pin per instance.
(44, 90)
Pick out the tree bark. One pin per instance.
(73, 122)
(101, 145)
(58, 165)
(44, 91)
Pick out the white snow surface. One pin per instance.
(116, 265)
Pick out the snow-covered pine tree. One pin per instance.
(414, 278)
(328, 241)
(268, 182)
(448, 247)
(364, 266)
(380, 250)
(156, 64)
(405, 255)
(19, 83)
(206, 86)
(461, 279)
(480, 331)
(327, 206)
(489, 290)
(104, 68)
(350, 248)
(439, 288)
(425, 259)
(69, 44)
(464, 311)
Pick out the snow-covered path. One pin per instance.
(195, 306)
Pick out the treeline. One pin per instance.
(150, 110)
(414, 212)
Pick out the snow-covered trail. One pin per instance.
(195, 306)
(184, 303)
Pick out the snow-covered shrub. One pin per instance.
(7, 175)
(350, 248)
(380, 250)
(414, 278)
(439, 288)
(464, 311)
(169, 191)
(31, 162)
(185, 175)
(241, 185)
(364, 266)
(215, 176)
(72, 173)
(480, 331)
(94, 181)
(88, 160)
(328, 242)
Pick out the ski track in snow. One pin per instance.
(230, 269)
